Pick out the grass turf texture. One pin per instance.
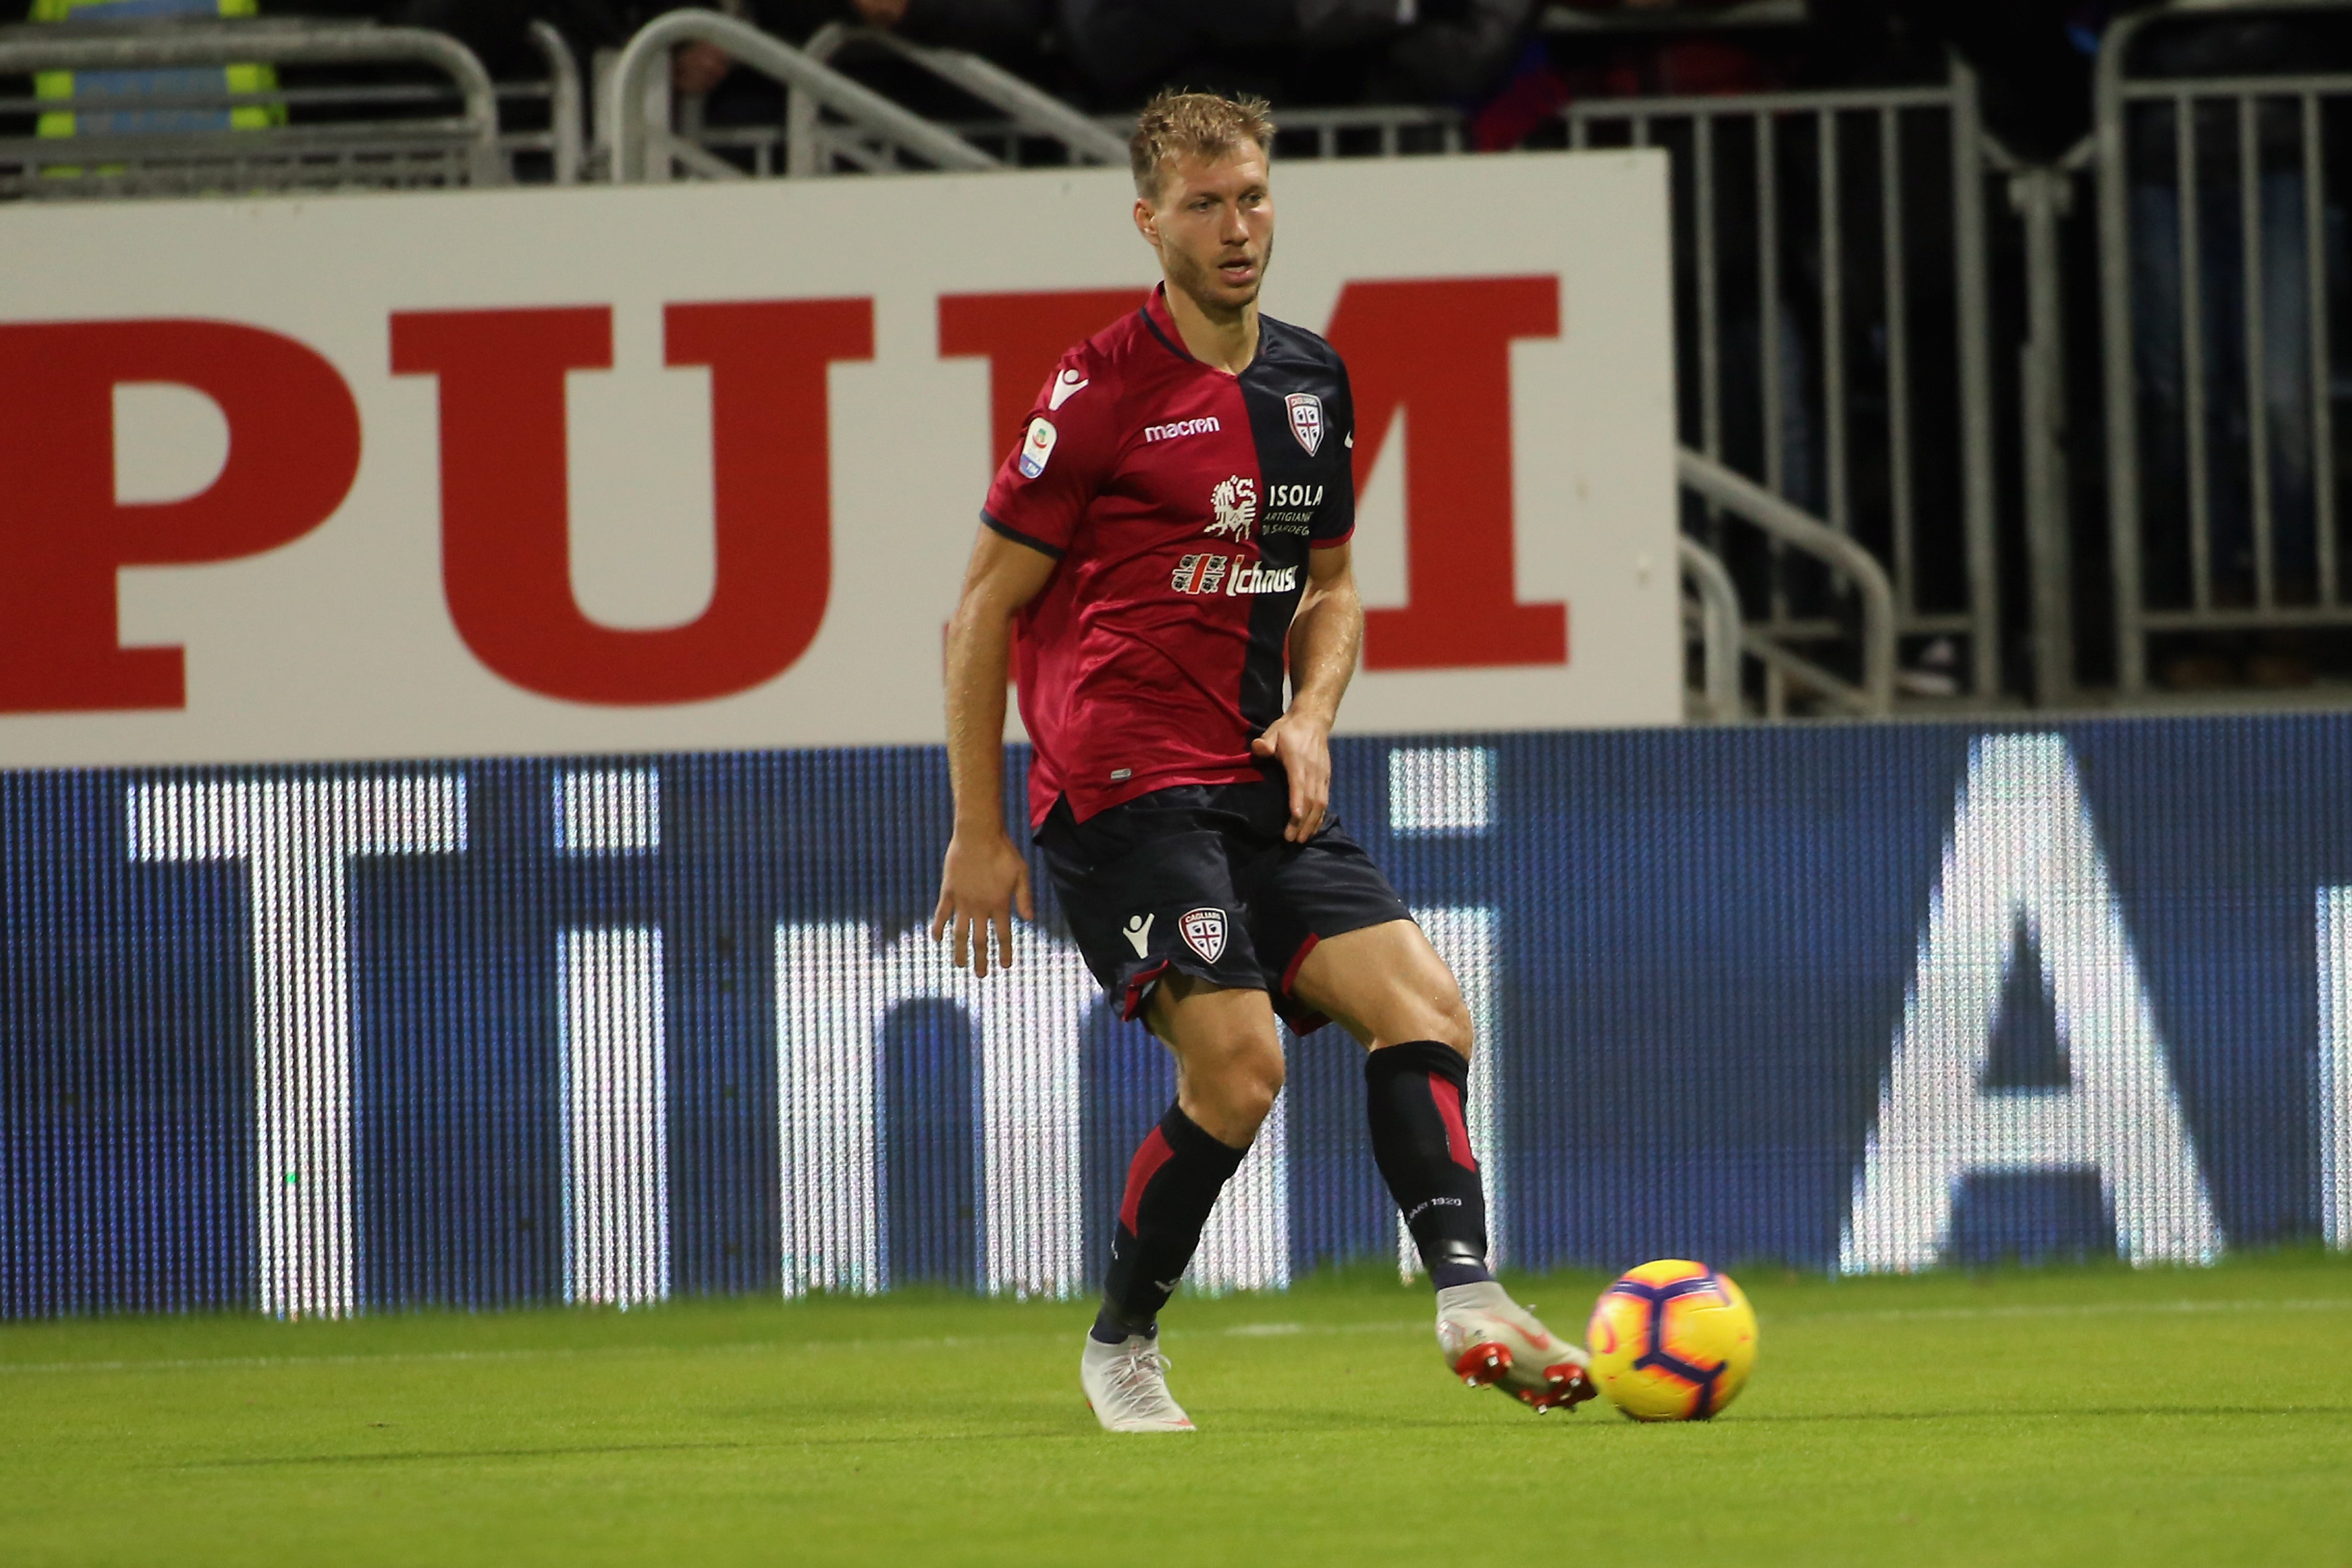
(2049, 1416)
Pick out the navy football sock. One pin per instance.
(1422, 1141)
(1171, 1185)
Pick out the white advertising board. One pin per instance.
(672, 468)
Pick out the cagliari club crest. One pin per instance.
(1307, 420)
(1204, 932)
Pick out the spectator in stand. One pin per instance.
(1126, 48)
(1452, 50)
(984, 26)
(497, 30)
(1448, 50)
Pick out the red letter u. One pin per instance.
(506, 515)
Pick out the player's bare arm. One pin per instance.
(1325, 638)
(985, 879)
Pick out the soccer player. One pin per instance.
(1175, 521)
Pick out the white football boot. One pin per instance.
(1488, 1338)
(1126, 1386)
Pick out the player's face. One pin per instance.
(1213, 228)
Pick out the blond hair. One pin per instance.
(1198, 124)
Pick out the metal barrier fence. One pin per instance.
(2222, 254)
(565, 141)
(871, 133)
(1789, 528)
(831, 123)
(1832, 325)
(1034, 121)
(378, 135)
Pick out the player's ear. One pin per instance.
(1147, 223)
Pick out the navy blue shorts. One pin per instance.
(1198, 878)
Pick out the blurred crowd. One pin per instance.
(1509, 63)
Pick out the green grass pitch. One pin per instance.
(2033, 1417)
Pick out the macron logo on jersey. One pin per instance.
(1067, 385)
(1201, 427)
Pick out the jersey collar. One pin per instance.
(1162, 322)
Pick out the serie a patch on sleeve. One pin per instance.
(1037, 446)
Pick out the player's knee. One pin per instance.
(1451, 1023)
(1444, 1018)
(1260, 1082)
(1244, 1084)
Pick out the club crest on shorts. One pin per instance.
(1204, 932)
(1307, 420)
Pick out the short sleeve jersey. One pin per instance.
(1179, 504)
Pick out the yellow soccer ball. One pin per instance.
(1672, 1341)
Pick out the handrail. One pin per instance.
(32, 47)
(771, 57)
(1792, 526)
(1029, 108)
(563, 103)
(1719, 629)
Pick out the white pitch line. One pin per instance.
(1239, 1330)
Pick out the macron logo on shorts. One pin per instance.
(1204, 932)
(1138, 932)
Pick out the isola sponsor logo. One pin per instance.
(1290, 509)
(1204, 573)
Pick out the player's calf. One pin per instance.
(1421, 1137)
(1421, 1140)
(1171, 1185)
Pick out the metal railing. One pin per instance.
(1030, 126)
(1029, 114)
(1675, 19)
(1816, 357)
(1712, 612)
(1853, 567)
(877, 134)
(1380, 131)
(2041, 196)
(2217, 273)
(563, 142)
(385, 135)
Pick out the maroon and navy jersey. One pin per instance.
(1179, 504)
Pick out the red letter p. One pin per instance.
(293, 451)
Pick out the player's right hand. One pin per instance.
(983, 880)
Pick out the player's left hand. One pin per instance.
(1301, 742)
